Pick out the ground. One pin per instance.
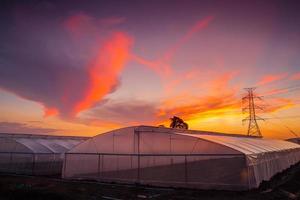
(283, 186)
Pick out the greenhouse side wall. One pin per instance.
(30, 163)
(264, 167)
(181, 170)
(33, 155)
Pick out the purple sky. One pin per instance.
(83, 67)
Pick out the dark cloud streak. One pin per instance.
(15, 127)
(125, 112)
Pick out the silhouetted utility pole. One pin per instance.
(250, 108)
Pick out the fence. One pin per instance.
(31, 163)
(187, 170)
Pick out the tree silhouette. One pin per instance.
(176, 122)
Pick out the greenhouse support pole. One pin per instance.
(33, 163)
(99, 165)
(137, 133)
(102, 163)
(185, 169)
(248, 174)
(52, 166)
(65, 165)
(139, 158)
(10, 161)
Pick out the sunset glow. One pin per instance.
(83, 69)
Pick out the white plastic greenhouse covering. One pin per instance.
(34, 154)
(171, 157)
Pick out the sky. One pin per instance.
(84, 68)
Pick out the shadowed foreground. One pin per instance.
(283, 186)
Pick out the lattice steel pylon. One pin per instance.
(251, 108)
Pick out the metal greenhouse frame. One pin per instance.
(171, 157)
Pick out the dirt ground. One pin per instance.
(283, 186)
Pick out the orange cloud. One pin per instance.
(279, 104)
(271, 78)
(190, 76)
(221, 83)
(105, 56)
(220, 96)
(295, 76)
(172, 79)
(158, 66)
(50, 112)
(104, 70)
(204, 105)
(276, 91)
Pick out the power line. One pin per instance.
(288, 128)
(282, 123)
(277, 124)
(251, 108)
(284, 117)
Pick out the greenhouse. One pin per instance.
(34, 154)
(171, 157)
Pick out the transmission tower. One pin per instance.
(250, 108)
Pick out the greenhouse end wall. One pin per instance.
(31, 163)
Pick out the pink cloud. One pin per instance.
(105, 69)
(271, 78)
(295, 76)
(161, 65)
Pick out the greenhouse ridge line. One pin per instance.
(41, 136)
(164, 154)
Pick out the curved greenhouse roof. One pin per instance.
(185, 158)
(232, 142)
(37, 144)
(247, 145)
